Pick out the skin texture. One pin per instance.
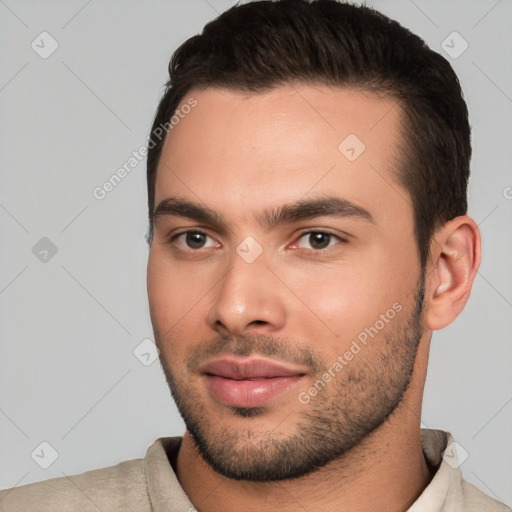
(240, 155)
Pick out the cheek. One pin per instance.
(338, 302)
(177, 296)
(327, 303)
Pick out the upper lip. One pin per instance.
(248, 368)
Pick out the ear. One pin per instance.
(455, 255)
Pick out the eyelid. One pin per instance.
(309, 231)
(172, 238)
(344, 237)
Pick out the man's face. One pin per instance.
(284, 281)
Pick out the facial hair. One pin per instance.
(355, 403)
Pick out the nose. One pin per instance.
(248, 300)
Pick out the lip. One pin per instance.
(238, 368)
(248, 382)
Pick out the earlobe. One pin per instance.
(456, 254)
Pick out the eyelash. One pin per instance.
(189, 250)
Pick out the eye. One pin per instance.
(317, 240)
(194, 240)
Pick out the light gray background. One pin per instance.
(69, 326)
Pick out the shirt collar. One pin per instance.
(445, 489)
(164, 489)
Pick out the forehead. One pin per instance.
(241, 152)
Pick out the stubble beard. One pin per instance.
(355, 403)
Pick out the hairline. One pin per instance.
(404, 147)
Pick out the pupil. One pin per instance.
(319, 240)
(195, 240)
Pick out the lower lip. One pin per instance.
(249, 393)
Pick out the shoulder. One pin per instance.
(120, 487)
(474, 500)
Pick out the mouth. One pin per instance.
(250, 381)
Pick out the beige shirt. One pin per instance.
(150, 484)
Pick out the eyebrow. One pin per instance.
(288, 213)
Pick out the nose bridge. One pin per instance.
(248, 295)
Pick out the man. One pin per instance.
(308, 233)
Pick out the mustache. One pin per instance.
(260, 345)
